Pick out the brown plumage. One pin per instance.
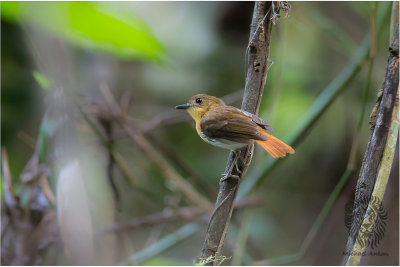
(231, 128)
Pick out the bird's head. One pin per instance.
(199, 104)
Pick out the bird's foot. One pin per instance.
(238, 161)
(227, 176)
(237, 168)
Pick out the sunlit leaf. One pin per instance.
(89, 25)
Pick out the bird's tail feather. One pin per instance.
(275, 147)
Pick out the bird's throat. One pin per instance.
(196, 114)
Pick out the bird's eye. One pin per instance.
(199, 100)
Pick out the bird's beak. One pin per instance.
(184, 106)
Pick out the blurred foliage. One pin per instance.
(90, 25)
(205, 43)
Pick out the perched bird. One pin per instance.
(231, 128)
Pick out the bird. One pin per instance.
(231, 128)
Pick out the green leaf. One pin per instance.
(10, 11)
(90, 25)
(41, 79)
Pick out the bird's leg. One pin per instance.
(229, 174)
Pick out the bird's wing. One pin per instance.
(260, 122)
(232, 124)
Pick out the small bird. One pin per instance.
(231, 128)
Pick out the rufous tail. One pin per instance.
(275, 147)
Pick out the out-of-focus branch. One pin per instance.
(23, 241)
(179, 162)
(178, 215)
(378, 143)
(153, 155)
(258, 55)
(118, 158)
(9, 196)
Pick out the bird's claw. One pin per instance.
(237, 169)
(228, 176)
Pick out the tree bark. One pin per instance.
(258, 64)
(386, 101)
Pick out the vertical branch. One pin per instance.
(378, 141)
(258, 64)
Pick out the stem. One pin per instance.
(258, 64)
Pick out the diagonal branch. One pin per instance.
(258, 63)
